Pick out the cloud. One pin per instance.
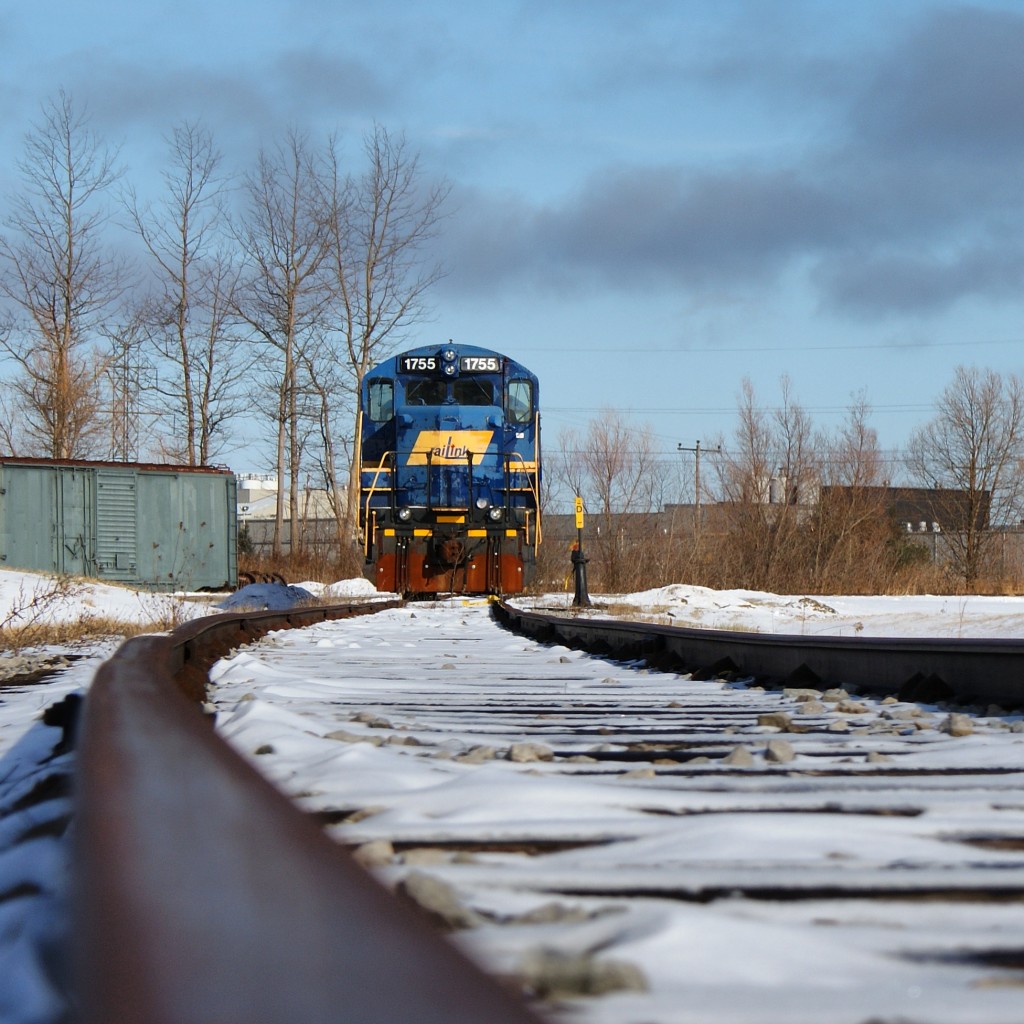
(637, 227)
(258, 101)
(314, 82)
(909, 282)
(952, 89)
(632, 224)
(875, 151)
(909, 203)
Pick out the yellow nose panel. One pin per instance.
(449, 447)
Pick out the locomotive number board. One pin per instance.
(480, 364)
(432, 364)
(418, 364)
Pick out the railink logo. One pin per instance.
(449, 448)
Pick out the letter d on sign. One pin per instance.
(579, 513)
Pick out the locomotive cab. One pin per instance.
(450, 471)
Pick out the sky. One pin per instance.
(650, 201)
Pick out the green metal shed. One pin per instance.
(165, 527)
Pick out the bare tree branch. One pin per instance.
(188, 321)
(60, 283)
(974, 448)
(285, 238)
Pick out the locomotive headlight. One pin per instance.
(482, 503)
(450, 369)
(496, 513)
(449, 355)
(405, 514)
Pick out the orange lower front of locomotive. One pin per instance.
(415, 564)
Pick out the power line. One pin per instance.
(693, 410)
(880, 346)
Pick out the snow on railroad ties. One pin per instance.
(419, 760)
(581, 854)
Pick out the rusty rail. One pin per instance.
(917, 668)
(201, 894)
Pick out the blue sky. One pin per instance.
(650, 200)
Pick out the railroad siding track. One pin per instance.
(965, 670)
(201, 894)
(707, 833)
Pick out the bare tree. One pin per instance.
(381, 222)
(852, 533)
(187, 320)
(327, 383)
(614, 467)
(766, 477)
(974, 449)
(60, 282)
(285, 236)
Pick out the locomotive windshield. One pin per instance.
(381, 404)
(425, 392)
(465, 391)
(520, 401)
(473, 391)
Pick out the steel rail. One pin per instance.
(965, 670)
(201, 894)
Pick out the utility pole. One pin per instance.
(696, 481)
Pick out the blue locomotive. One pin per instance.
(450, 471)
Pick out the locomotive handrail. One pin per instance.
(201, 894)
(536, 462)
(531, 484)
(369, 495)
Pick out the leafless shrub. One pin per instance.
(38, 616)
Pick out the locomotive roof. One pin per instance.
(389, 365)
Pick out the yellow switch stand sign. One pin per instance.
(579, 513)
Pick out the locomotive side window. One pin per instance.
(520, 401)
(425, 392)
(382, 400)
(472, 391)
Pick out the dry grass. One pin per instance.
(311, 564)
(71, 634)
(38, 616)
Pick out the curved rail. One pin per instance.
(968, 671)
(202, 894)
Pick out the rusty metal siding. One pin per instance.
(154, 526)
(46, 519)
(186, 529)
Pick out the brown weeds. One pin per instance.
(58, 611)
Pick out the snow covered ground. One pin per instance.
(907, 615)
(767, 953)
(374, 717)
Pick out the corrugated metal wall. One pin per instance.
(116, 517)
(151, 526)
